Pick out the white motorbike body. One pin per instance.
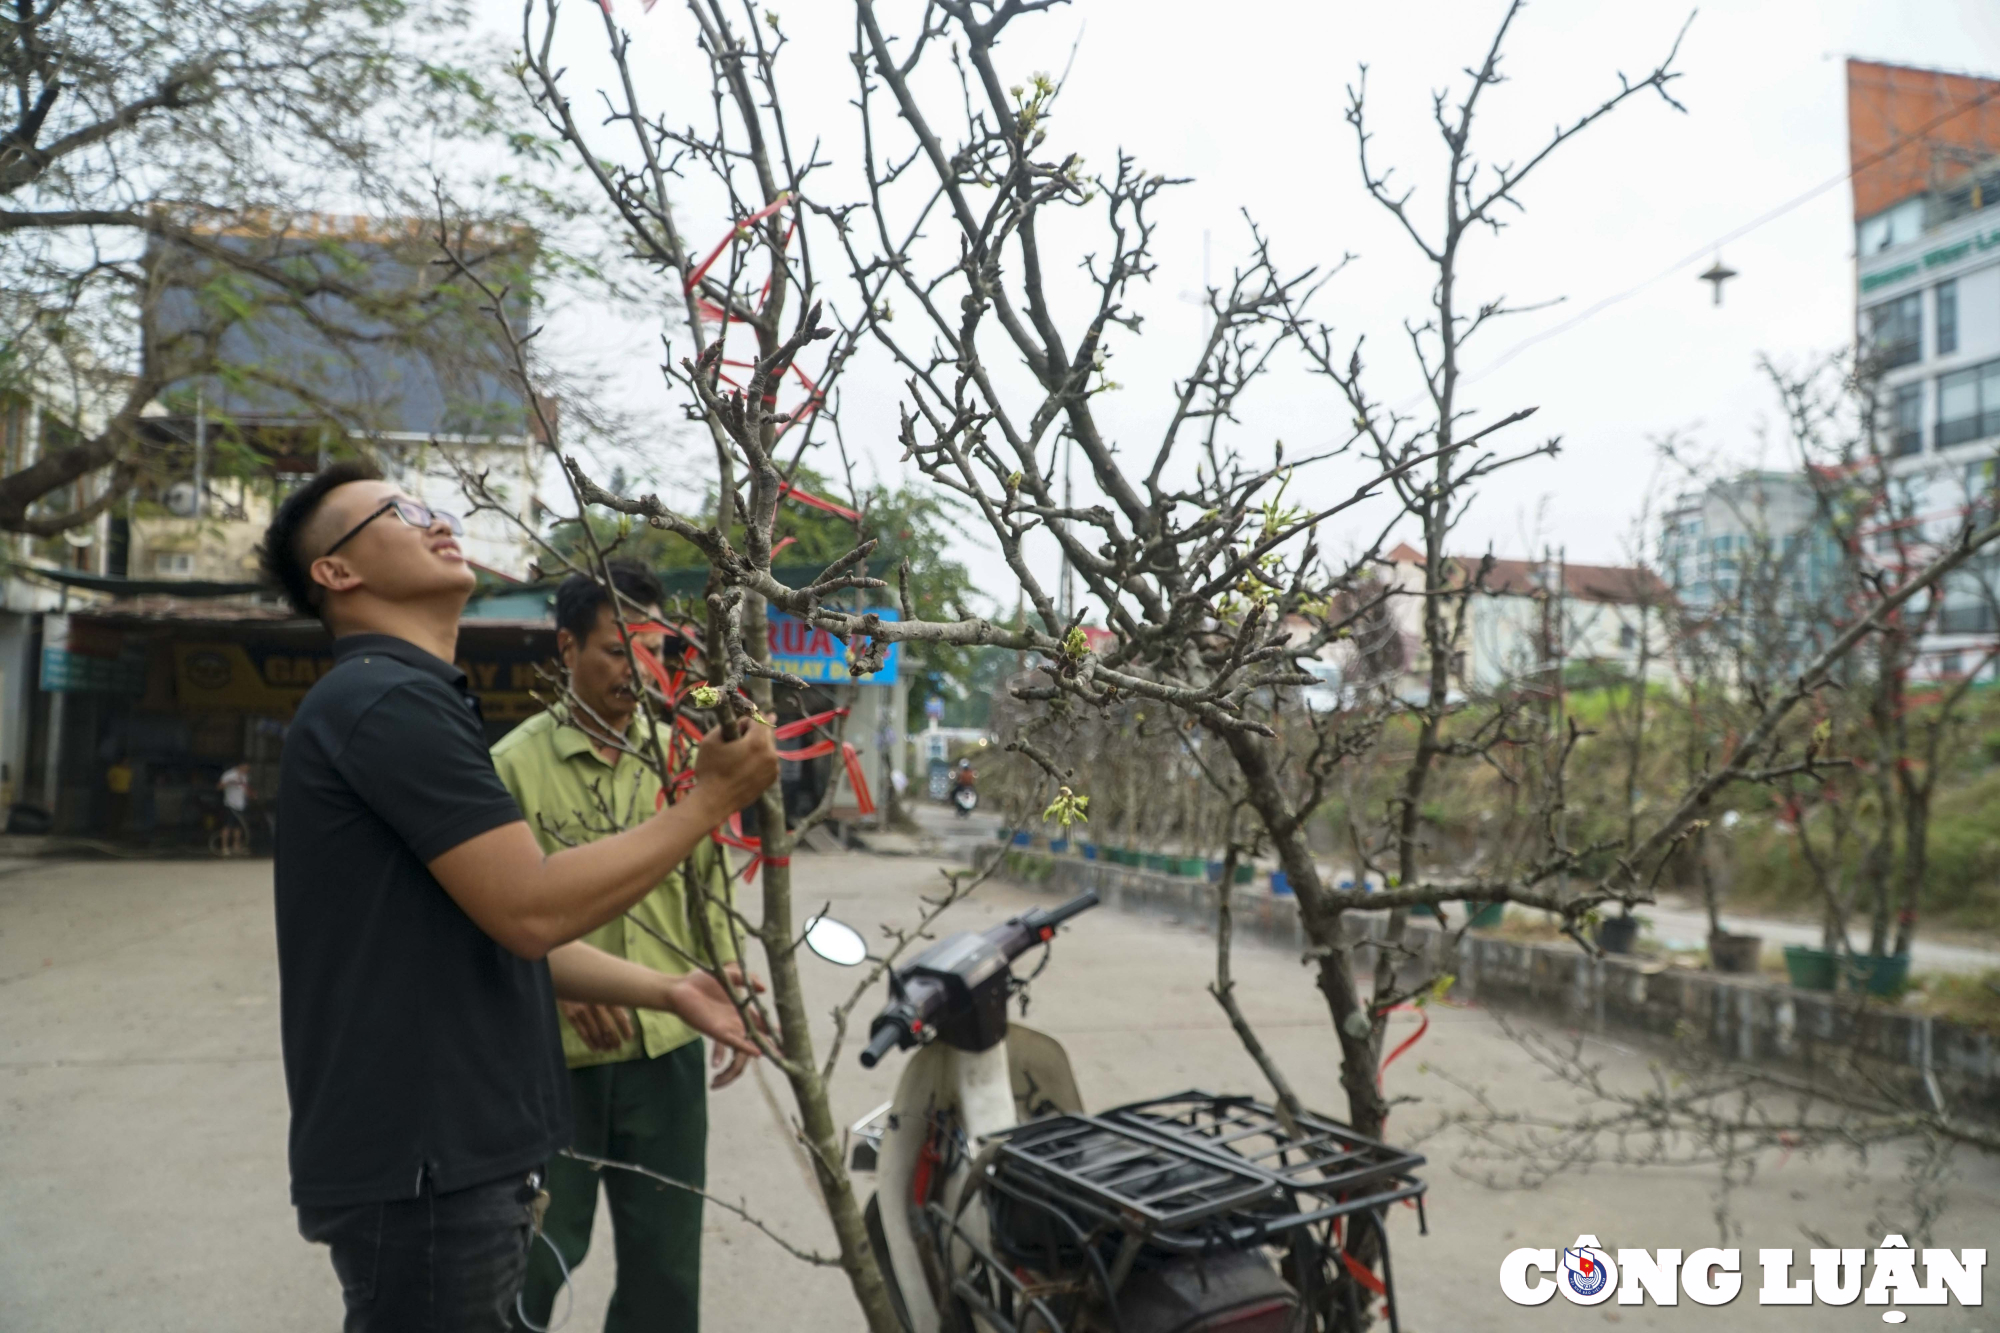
(1026, 1076)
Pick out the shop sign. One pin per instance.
(1937, 258)
(272, 678)
(80, 657)
(814, 654)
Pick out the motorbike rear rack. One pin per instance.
(1195, 1171)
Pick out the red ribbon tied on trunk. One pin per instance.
(673, 683)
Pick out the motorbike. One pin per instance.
(1000, 1203)
(965, 797)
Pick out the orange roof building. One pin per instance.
(1913, 132)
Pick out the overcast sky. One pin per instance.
(1247, 99)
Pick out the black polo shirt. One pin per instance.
(415, 1046)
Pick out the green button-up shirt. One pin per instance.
(569, 794)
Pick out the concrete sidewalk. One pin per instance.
(142, 1121)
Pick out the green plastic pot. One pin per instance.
(1154, 861)
(1487, 917)
(1808, 968)
(1886, 975)
(1194, 867)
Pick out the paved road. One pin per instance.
(1686, 922)
(142, 1121)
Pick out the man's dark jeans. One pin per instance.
(437, 1263)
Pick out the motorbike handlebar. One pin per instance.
(1083, 902)
(922, 992)
(887, 1035)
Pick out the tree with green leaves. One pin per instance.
(172, 171)
(913, 525)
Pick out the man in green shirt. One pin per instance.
(637, 1089)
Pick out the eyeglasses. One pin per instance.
(417, 515)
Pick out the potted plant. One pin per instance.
(1485, 916)
(1727, 951)
(1617, 934)
(1737, 954)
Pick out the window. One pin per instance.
(1906, 424)
(1628, 638)
(173, 562)
(1904, 222)
(1947, 317)
(1968, 404)
(1896, 331)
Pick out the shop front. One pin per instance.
(143, 703)
(149, 705)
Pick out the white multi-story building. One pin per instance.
(1926, 149)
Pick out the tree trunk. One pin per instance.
(1916, 857)
(817, 1127)
(1706, 873)
(1367, 1110)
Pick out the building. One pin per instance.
(143, 641)
(1925, 150)
(1527, 616)
(1751, 568)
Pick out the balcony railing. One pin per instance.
(1976, 427)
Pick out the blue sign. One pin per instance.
(80, 657)
(813, 654)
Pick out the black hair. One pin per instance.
(579, 596)
(285, 567)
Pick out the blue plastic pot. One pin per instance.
(1280, 885)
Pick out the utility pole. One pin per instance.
(1558, 655)
(200, 455)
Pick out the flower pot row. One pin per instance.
(1483, 916)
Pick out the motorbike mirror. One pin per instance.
(836, 941)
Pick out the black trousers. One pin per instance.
(437, 1263)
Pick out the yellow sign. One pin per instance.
(257, 678)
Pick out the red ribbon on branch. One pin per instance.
(707, 309)
(673, 683)
(1408, 1041)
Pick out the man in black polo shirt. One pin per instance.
(423, 934)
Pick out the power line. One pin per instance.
(1695, 255)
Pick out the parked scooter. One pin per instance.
(1001, 1205)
